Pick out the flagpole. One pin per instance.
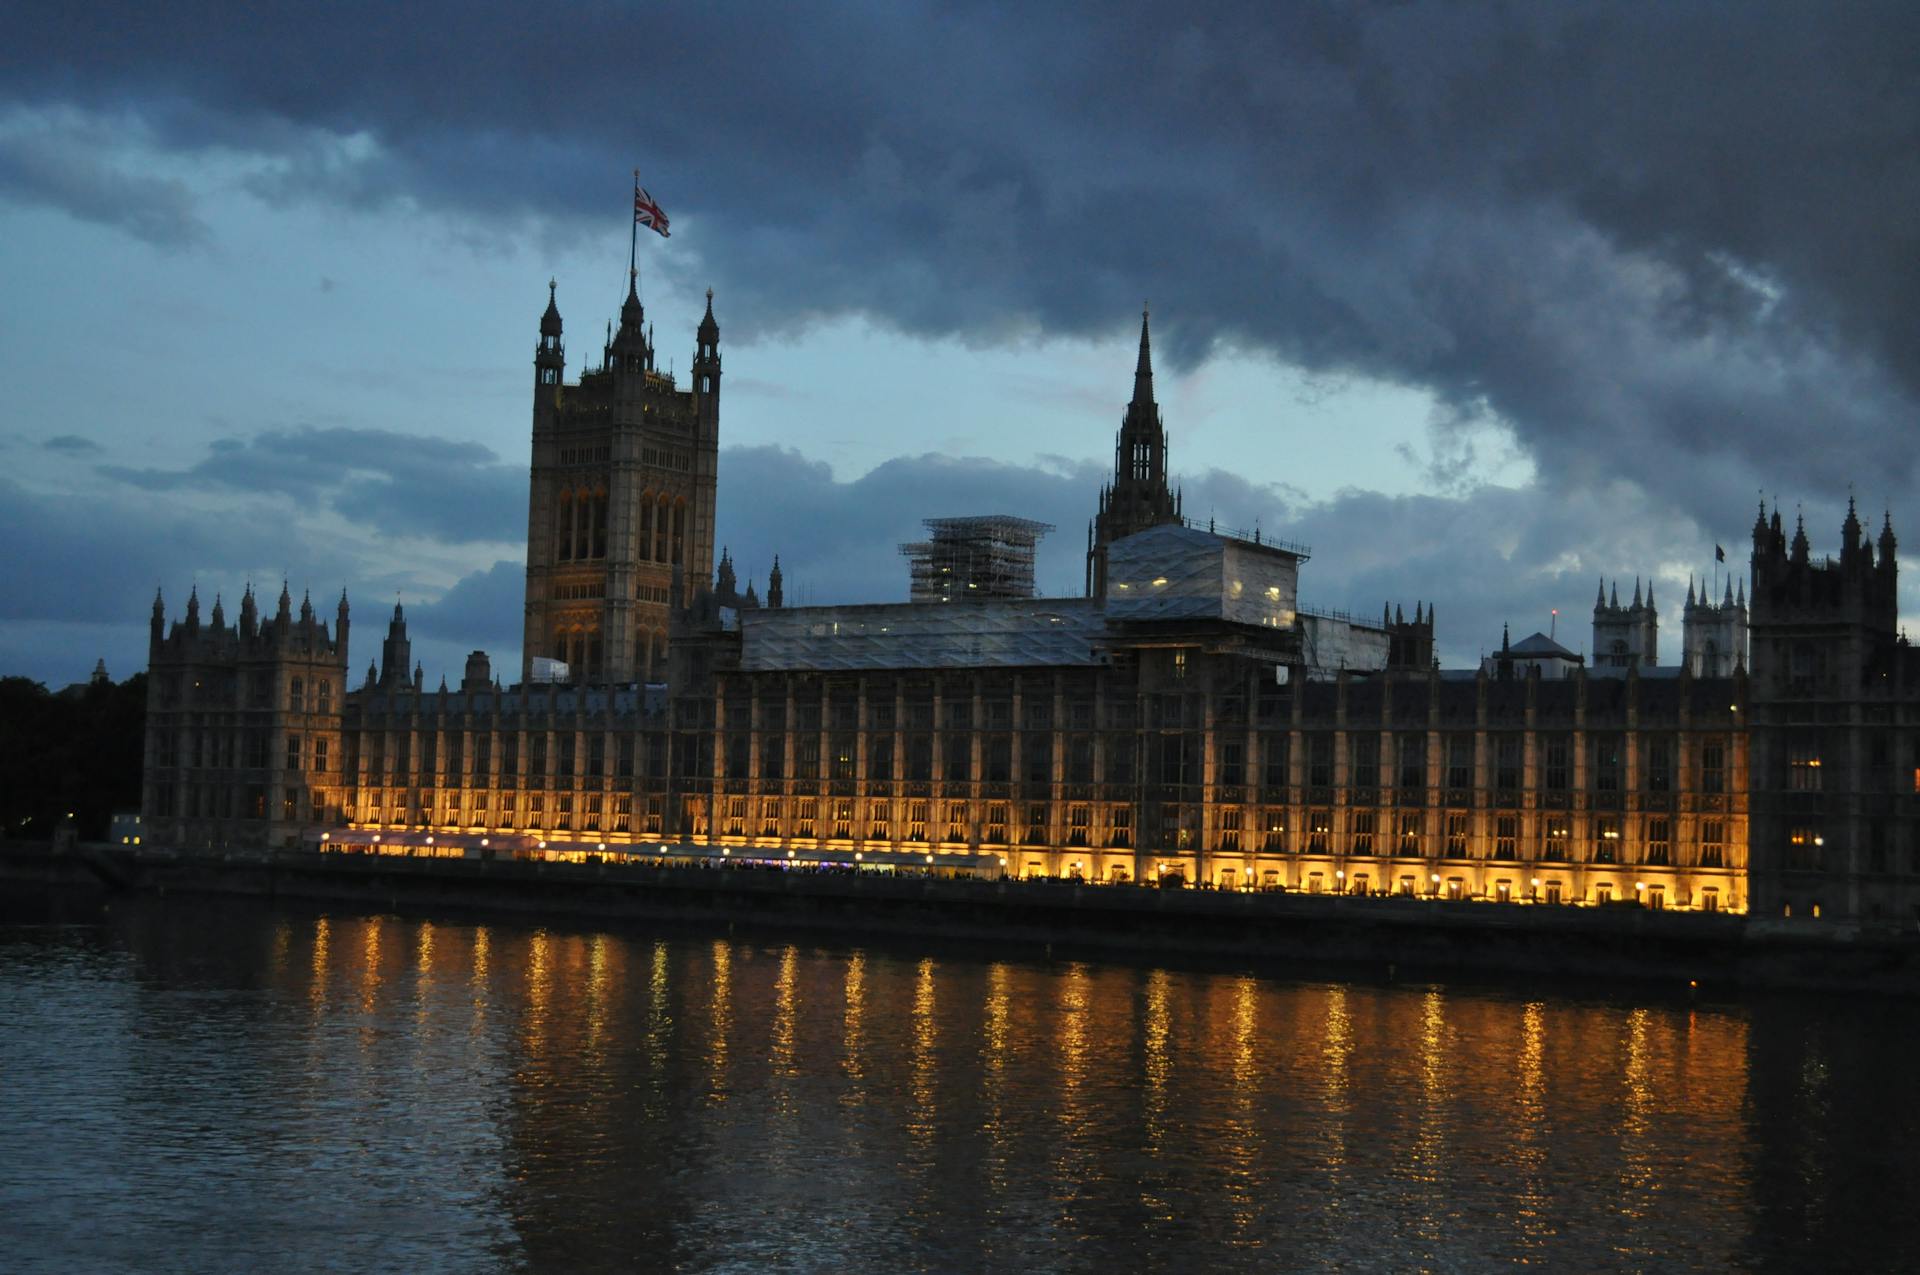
(633, 237)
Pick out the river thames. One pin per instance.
(203, 1086)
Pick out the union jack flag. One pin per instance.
(647, 213)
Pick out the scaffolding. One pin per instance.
(974, 559)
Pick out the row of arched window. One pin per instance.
(580, 527)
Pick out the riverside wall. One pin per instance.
(1405, 937)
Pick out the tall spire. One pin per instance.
(1143, 369)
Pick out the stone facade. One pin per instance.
(1193, 727)
(244, 726)
(625, 464)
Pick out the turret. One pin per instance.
(629, 351)
(219, 616)
(249, 615)
(340, 627)
(725, 589)
(156, 627)
(549, 357)
(193, 609)
(396, 652)
(283, 614)
(775, 594)
(706, 354)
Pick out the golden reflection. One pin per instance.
(322, 931)
(1159, 1065)
(1336, 1056)
(1070, 1147)
(277, 957)
(784, 1001)
(597, 981)
(1430, 1150)
(369, 963)
(539, 991)
(1242, 1143)
(423, 977)
(1529, 1143)
(720, 1021)
(852, 1026)
(1637, 1176)
(477, 977)
(659, 1017)
(994, 1063)
(920, 1124)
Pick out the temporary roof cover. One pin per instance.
(1024, 632)
(1180, 573)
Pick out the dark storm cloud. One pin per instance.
(71, 444)
(85, 558)
(483, 609)
(840, 541)
(400, 484)
(1486, 557)
(58, 169)
(1669, 244)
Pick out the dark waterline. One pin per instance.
(203, 1085)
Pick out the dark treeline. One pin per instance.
(74, 751)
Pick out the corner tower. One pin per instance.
(1138, 496)
(622, 491)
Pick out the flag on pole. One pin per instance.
(1719, 554)
(646, 212)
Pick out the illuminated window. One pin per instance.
(1409, 839)
(1606, 840)
(997, 823)
(1712, 843)
(1276, 832)
(1805, 848)
(1229, 831)
(803, 817)
(1506, 836)
(1362, 829)
(1319, 831)
(1559, 832)
(1659, 841)
(1457, 836)
(1803, 768)
(1080, 819)
(1120, 835)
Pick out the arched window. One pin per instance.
(600, 524)
(660, 531)
(323, 691)
(297, 695)
(563, 527)
(646, 526)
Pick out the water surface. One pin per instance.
(205, 1086)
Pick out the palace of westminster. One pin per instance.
(1186, 722)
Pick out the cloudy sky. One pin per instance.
(1484, 303)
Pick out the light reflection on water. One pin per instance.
(227, 1087)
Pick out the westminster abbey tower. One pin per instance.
(621, 503)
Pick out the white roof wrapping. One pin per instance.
(1179, 573)
(1023, 632)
